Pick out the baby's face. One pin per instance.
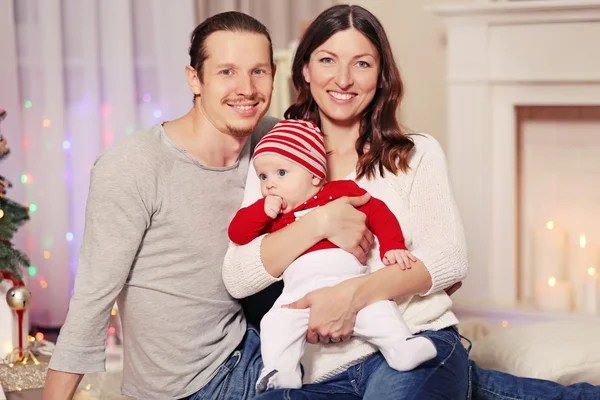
(283, 178)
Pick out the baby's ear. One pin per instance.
(316, 181)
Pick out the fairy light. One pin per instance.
(32, 271)
(46, 254)
(591, 271)
(28, 104)
(107, 136)
(157, 113)
(147, 98)
(504, 324)
(47, 123)
(32, 207)
(550, 225)
(43, 283)
(1, 213)
(39, 336)
(551, 281)
(69, 236)
(582, 241)
(66, 144)
(113, 312)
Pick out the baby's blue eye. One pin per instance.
(263, 177)
(281, 172)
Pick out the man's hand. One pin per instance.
(403, 258)
(274, 205)
(345, 226)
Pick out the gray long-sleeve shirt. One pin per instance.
(155, 238)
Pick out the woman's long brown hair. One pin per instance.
(389, 146)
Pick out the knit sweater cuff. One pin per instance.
(437, 266)
(243, 272)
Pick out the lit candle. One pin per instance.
(591, 302)
(549, 250)
(583, 257)
(553, 295)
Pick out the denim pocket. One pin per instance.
(447, 335)
(225, 372)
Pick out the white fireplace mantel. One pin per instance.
(501, 55)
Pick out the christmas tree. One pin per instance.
(12, 216)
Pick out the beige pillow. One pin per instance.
(563, 351)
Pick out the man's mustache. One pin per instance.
(244, 100)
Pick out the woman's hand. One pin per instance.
(332, 314)
(346, 227)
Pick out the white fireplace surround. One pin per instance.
(502, 55)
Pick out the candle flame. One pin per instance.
(591, 271)
(551, 281)
(550, 225)
(582, 240)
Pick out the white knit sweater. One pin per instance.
(422, 201)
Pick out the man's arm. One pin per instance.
(117, 215)
(60, 385)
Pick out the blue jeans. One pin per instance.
(494, 385)
(444, 377)
(236, 378)
(448, 376)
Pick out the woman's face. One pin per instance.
(342, 74)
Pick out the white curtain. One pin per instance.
(77, 76)
(283, 18)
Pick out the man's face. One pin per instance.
(237, 81)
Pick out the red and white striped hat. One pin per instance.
(299, 141)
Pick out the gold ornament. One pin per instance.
(18, 298)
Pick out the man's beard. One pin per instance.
(240, 132)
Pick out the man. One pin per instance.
(157, 215)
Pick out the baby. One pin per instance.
(290, 162)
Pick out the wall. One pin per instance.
(418, 41)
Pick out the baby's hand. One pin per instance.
(401, 257)
(274, 205)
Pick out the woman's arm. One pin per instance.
(252, 267)
(438, 239)
(438, 242)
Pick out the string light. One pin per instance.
(47, 123)
(113, 312)
(107, 136)
(32, 271)
(157, 113)
(1, 213)
(32, 208)
(39, 336)
(43, 283)
(66, 144)
(28, 104)
(69, 237)
(46, 254)
(147, 98)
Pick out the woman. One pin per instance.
(349, 84)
